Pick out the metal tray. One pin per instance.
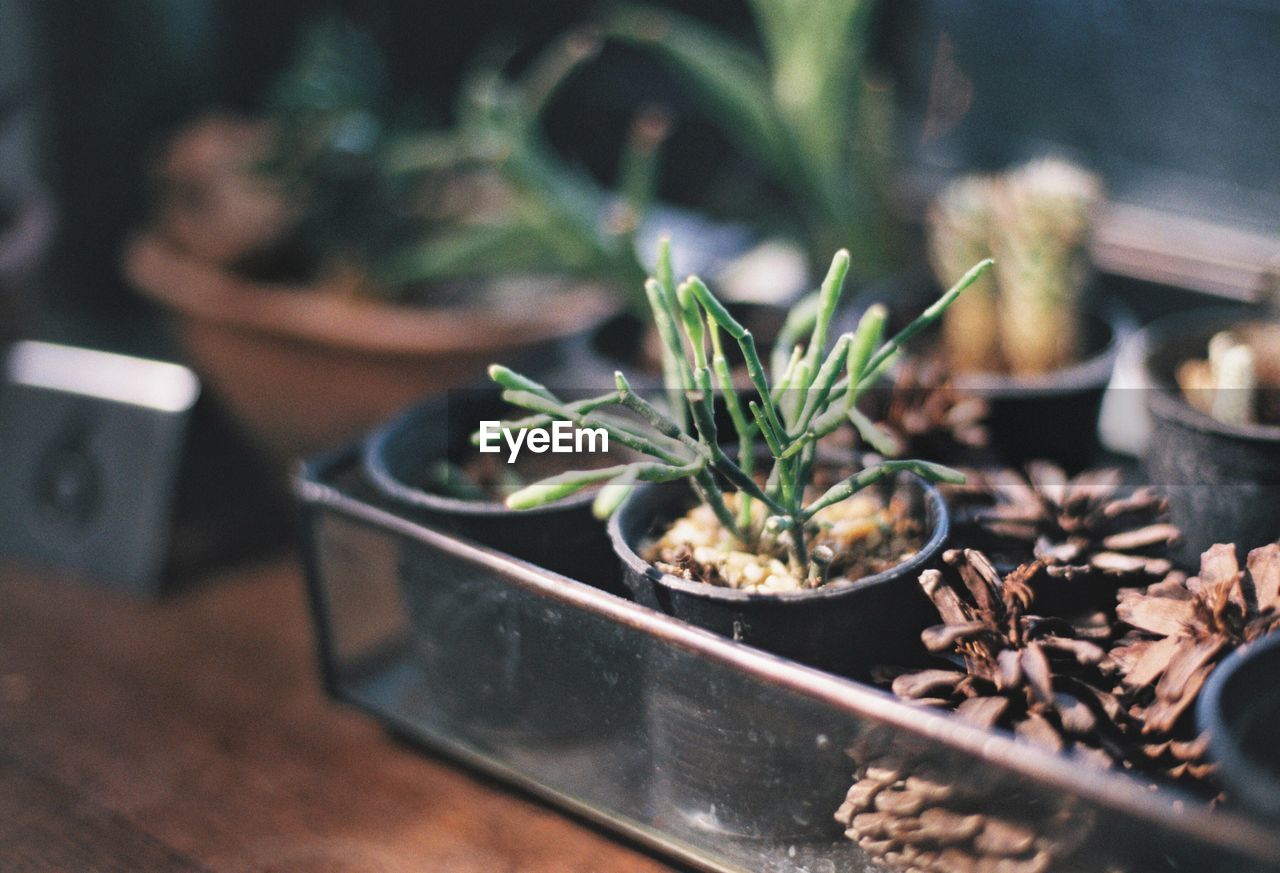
(706, 750)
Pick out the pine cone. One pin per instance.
(928, 417)
(1182, 629)
(1072, 525)
(907, 820)
(1013, 669)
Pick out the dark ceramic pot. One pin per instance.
(764, 785)
(845, 627)
(563, 537)
(1240, 708)
(1222, 481)
(1053, 416)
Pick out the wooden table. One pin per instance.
(192, 734)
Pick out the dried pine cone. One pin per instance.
(1182, 629)
(906, 820)
(1014, 669)
(928, 417)
(1072, 525)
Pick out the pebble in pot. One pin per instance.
(774, 557)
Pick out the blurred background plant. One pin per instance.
(801, 104)
(1025, 317)
(420, 208)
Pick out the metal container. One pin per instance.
(603, 768)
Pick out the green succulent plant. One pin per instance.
(814, 388)
(800, 105)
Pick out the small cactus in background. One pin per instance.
(960, 224)
(1036, 221)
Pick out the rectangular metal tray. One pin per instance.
(706, 750)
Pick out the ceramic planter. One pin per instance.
(302, 354)
(304, 367)
(1222, 481)
(1240, 708)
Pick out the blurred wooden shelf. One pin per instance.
(192, 735)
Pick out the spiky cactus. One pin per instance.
(1041, 217)
(1035, 220)
(959, 236)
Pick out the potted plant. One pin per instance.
(803, 555)
(779, 568)
(426, 464)
(330, 263)
(1215, 426)
(1031, 338)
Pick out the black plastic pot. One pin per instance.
(843, 627)
(1053, 416)
(1222, 481)
(1240, 708)
(563, 537)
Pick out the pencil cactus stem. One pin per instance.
(691, 317)
(929, 316)
(513, 381)
(613, 493)
(866, 338)
(828, 300)
(846, 488)
(823, 383)
(798, 323)
(715, 309)
(675, 367)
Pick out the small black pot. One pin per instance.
(1240, 708)
(845, 628)
(563, 537)
(763, 785)
(1054, 416)
(1222, 481)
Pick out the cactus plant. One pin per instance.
(1035, 220)
(811, 392)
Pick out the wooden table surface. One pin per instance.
(192, 735)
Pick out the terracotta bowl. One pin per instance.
(304, 368)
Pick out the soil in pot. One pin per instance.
(845, 625)
(1222, 479)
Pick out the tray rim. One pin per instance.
(1169, 808)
